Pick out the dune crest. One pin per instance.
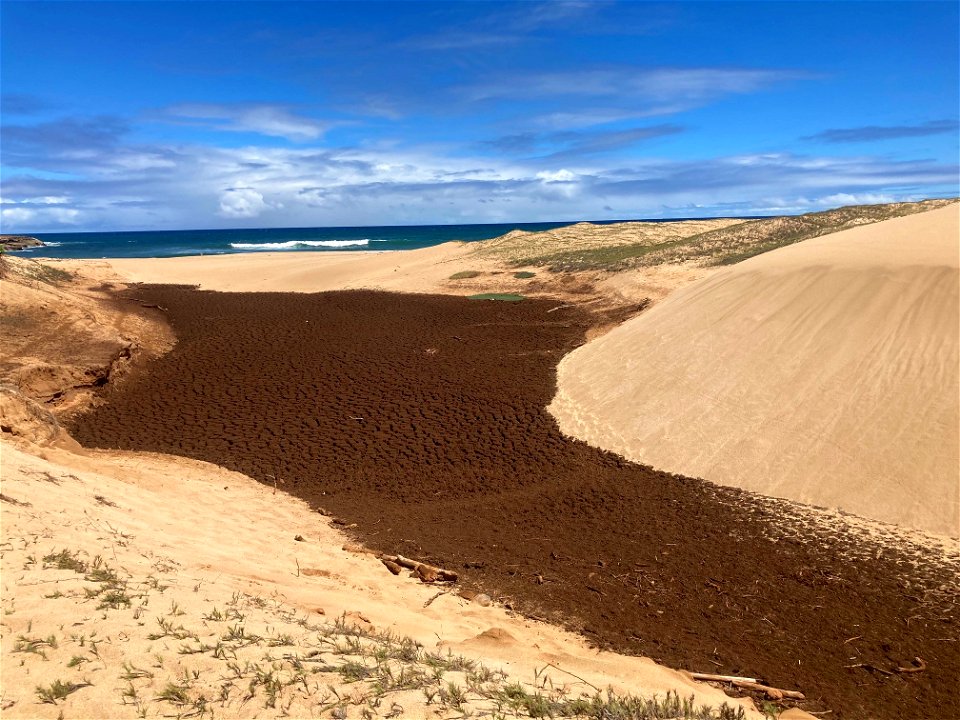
(824, 372)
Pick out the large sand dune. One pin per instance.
(825, 372)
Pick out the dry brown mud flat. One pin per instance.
(421, 419)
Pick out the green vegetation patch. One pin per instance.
(524, 275)
(502, 297)
(615, 257)
(465, 274)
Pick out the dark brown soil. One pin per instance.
(421, 419)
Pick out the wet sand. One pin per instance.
(422, 419)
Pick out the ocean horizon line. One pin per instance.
(38, 233)
(222, 241)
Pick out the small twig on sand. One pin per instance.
(868, 666)
(574, 675)
(428, 602)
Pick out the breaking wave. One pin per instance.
(293, 244)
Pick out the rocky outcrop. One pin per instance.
(18, 242)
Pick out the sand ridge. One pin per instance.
(825, 372)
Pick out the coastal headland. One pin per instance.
(417, 422)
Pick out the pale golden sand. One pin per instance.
(824, 372)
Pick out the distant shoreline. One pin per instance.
(180, 243)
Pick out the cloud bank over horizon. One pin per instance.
(316, 115)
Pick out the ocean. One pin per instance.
(216, 242)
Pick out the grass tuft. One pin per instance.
(65, 560)
(58, 690)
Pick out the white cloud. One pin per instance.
(242, 203)
(29, 217)
(46, 200)
(664, 86)
(272, 120)
(556, 176)
(17, 214)
(391, 184)
(858, 199)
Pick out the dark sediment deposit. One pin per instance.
(422, 419)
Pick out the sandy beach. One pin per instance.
(562, 359)
(409, 420)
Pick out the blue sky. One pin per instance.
(160, 115)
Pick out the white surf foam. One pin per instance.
(292, 244)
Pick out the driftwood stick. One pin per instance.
(722, 678)
(405, 562)
(772, 692)
(426, 573)
(751, 684)
(921, 665)
(360, 549)
(391, 566)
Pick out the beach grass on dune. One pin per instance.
(721, 246)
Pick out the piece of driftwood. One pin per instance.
(722, 678)
(391, 566)
(772, 692)
(920, 666)
(360, 549)
(395, 563)
(426, 573)
(751, 684)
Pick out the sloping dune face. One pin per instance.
(825, 372)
